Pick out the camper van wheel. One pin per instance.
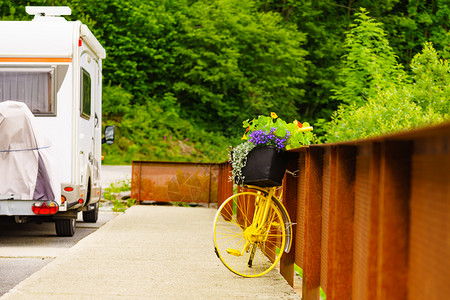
(65, 227)
(91, 216)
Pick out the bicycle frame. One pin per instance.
(261, 214)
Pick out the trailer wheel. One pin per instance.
(65, 227)
(91, 216)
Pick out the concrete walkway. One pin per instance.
(149, 252)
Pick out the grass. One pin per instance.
(116, 188)
(299, 271)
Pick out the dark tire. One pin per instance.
(65, 227)
(91, 216)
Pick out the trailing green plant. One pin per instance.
(238, 159)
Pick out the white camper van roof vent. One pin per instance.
(43, 12)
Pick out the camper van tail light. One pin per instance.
(80, 42)
(80, 200)
(63, 199)
(68, 189)
(44, 208)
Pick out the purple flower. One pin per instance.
(263, 138)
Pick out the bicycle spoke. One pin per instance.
(223, 243)
(243, 211)
(233, 223)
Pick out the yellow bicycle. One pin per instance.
(252, 229)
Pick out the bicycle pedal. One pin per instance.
(234, 252)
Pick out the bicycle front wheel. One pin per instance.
(242, 248)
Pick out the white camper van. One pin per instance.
(50, 119)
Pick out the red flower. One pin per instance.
(299, 125)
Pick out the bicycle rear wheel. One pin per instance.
(242, 249)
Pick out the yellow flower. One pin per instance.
(273, 115)
(244, 137)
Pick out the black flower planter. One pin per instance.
(265, 167)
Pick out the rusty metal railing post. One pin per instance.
(340, 230)
(225, 188)
(290, 202)
(365, 242)
(394, 220)
(313, 224)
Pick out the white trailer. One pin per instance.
(54, 66)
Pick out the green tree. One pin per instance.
(431, 81)
(116, 102)
(219, 59)
(236, 61)
(369, 64)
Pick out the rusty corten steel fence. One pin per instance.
(179, 182)
(372, 217)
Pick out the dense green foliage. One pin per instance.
(407, 26)
(378, 96)
(181, 75)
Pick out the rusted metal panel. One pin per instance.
(429, 245)
(313, 224)
(178, 182)
(394, 220)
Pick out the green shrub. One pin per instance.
(382, 99)
(390, 111)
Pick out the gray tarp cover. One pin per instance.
(26, 166)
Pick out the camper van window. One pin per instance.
(33, 86)
(85, 94)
